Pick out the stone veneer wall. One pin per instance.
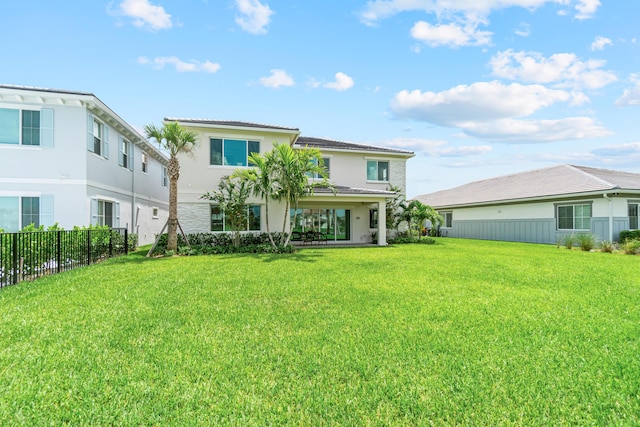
(398, 174)
(194, 217)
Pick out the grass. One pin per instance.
(457, 333)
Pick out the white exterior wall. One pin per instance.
(72, 174)
(350, 169)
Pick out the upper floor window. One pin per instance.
(573, 217)
(634, 209)
(327, 168)
(26, 127)
(145, 162)
(231, 152)
(98, 138)
(165, 177)
(377, 170)
(125, 154)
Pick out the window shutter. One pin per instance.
(105, 144)
(130, 150)
(46, 127)
(46, 210)
(116, 215)
(94, 211)
(90, 132)
(120, 152)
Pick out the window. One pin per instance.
(231, 152)
(26, 127)
(30, 211)
(154, 213)
(573, 217)
(125, 154)
(19, 212)
(377, 170)
(634, 208)
(105, 212)
(327, 164)
(373, 218)
(219, 220)
(145, 162)
(165, 177)
(447, 219)
(98, 137)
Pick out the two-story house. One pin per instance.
(361, 174)
(66, 157)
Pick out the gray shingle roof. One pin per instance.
(42, 89)
(547, 182)
(321, 143)
(230, 123)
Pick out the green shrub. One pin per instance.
(567, 241)
(631, 247)
(629, 235)
(222, 243)
(607, 246)
(586, 241)
(403, 239)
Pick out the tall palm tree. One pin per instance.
(174, 139)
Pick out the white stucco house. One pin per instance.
(66, 157)
(361, 174)
(541, 206)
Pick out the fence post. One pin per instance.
(14, 259)
(88, 246)
(59, 250)
(126, 241)
(111, 232)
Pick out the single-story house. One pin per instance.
(542, 205)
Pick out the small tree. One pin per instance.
(394, 206)
(231, 196)
(175, 139)
(261, 181)
(416, 213)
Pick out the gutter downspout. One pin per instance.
(606, 196)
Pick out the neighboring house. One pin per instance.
(541, 206)
(66, 158)
(361, 174)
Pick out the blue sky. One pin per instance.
(476, 88)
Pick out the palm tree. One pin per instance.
(175, 139)
(260, 177)
(292, 169)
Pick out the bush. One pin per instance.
(567, 241)
(607, 246)
(586, 241)
(631, 247)
(629, 235)
(404, 239)
(222, 243)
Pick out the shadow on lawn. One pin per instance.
(140, 256)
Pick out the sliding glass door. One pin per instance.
(335, 223)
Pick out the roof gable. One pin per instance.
(540, 183)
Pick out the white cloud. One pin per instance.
(450, 34)
(523, 30)
(630, 97)
(600, 42)
(146, 15)
(561, 69)
(341, 83)
(586, 8)
(437, 148)
(533, 131)
(277, 79)
(477, 102)
(254, 17)
(620, 150)
(495, 111)
(377, 10)
(180, 66)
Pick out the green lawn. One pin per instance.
(458, 333)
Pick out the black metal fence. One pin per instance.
(28, 255)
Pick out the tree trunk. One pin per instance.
(172, 223)
(266, 212)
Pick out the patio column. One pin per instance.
(382, 223)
